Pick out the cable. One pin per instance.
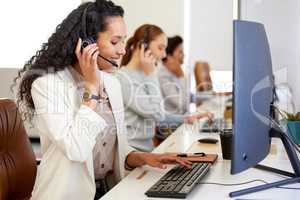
(288, 188)
(233, 184)
(244, 183)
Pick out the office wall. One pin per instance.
(25, 25)
(282, 23)
(15, 50)
(211, 32)
(205, 25)
(208, 32)
(6, 78)
(168, 14)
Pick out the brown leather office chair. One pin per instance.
(202, 76)
(17, 160)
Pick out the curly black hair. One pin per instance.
(59, 52)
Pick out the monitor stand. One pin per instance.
(294, 160)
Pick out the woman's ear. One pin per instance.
(136, 51)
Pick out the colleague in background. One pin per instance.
(144, 109)
(173, 82)
(76, 105)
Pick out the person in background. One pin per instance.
(68, 93)
(173, 82)
(144, 109)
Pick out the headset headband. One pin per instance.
(84, 24)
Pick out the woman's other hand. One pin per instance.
(190, 119)
(137, 159)
(160, 160)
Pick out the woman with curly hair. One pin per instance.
(74, 102)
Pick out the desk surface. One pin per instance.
(184, 139)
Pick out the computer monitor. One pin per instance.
(253, 95)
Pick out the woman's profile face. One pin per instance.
(158, 47)
(178, 54)
(111, 42)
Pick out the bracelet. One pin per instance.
(127, 166)
(87, 96)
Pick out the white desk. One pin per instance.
(184, 139)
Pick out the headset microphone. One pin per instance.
(110, 61)
(91, 40)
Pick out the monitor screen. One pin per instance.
(252, 95)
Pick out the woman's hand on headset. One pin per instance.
(87, 59)
(147, 60)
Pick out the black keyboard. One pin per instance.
(179, 181)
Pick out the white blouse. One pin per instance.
(105, 147)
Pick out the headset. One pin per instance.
(145, 40)
(87, 40)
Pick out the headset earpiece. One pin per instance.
(145, 40)
(87, 41)
(91, 40)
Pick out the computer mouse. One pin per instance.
(208, 140)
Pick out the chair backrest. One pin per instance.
(17, 160)
(202, 76)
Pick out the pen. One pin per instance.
(201, 154)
